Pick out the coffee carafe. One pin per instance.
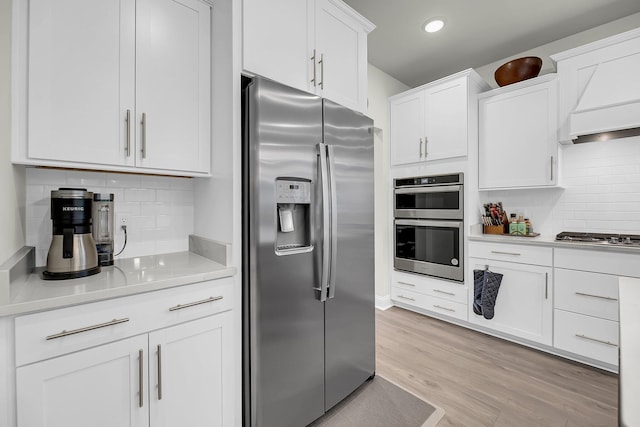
(102, 216)
(73, 251)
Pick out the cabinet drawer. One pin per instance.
(581, 292)
(587, 336)
(524, 254)
(429, 286)
(599, 261)
(52, 333)
(430, 303)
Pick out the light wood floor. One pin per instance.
(480, 380)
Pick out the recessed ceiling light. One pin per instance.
(434, 25)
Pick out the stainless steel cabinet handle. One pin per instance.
(546, 285)
(128, 120)
(596, 340)
(444, 308)
(407, 298)
(191, 304)
(505, 253)
(313, 59)
(406, 284)
(443, 292)
(421, 148)
(87, 328)
(426, 152)
(143, 147)
(334, 223)
(321, 62)
(596, 296)
(551, 168)
(159, 372)
(326, 236)
(140, 378)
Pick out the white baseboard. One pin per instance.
(383, 303)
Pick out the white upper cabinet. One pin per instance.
(435, 121)
(319, 46)
(87, 71)
(518, 144)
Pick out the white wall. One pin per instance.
(381, 87)
(579, 39)
(11, 177)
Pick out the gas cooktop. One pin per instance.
(600, 238)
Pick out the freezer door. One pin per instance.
(350, 315)
(283, 317)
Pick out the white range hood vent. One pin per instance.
(610, 101)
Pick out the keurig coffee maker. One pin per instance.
(72, 252)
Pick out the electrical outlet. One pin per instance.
(124, 220)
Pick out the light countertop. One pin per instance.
(549, 241)
(126, 277)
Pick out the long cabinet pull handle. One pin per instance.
(426, 152)
(128, 120)
(313, 59)
(505, 253)
(421, 148)
(612, 344)
(546, 285)
(159, 372)
(143, 147)
(597, 296)
(444, 292)
(406, 284)
(321, 62)
(191, 304)
(444, 308)
(551, 168)
(407, 298)
(140, 378)
(87, 328)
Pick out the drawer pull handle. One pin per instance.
(191, 304)
(87, 328)
(406, 284)
(597, 340)
(403, 297)
(444, 308)
(596, 296)
(444, 292)
(505, 253)
(159, 372)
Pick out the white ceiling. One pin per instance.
(477, 32)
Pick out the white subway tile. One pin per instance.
(122, 180)
(55, 177)
(141, 222)
(139, 195)
(85, 179)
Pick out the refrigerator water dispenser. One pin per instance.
(293, 202)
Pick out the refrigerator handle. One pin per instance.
(334, 223)
(326, 231)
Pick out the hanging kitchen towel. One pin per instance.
(478, 283)
(490, 293)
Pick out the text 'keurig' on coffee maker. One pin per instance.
(73, 251)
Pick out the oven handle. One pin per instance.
(428, 223)
(439, 189)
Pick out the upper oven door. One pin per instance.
(438, 202)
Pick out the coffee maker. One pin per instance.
(73, 251)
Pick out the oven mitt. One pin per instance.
(490, 293)
(478, 283)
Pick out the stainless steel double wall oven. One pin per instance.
(429, 225)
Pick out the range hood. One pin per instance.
(610, 103)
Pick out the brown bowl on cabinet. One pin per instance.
(518, 70)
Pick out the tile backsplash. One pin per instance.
(600, 191)
(160, 209)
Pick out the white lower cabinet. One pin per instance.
(175, 370)
(587, 336)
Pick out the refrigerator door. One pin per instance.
(283, 323)
(350, 314)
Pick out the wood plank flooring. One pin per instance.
(481, 380)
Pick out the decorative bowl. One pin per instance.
(518, 70)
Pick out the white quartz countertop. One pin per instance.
(126, 277)
(549, 241)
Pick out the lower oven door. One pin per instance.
(434, 248)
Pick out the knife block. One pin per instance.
(496, 229)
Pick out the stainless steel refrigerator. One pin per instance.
(308, 272)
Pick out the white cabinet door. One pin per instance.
(524, 305)
(173, 84)
(446, 107)
(81, 56)
(518, 137)
(276, 40)
(341, 43)
(99, 387)
(191, 374)
(407, 128)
